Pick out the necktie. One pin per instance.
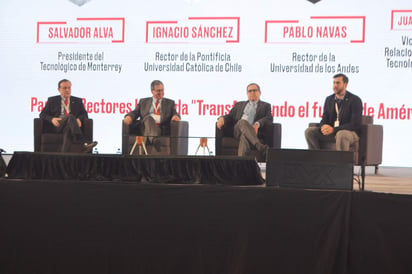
(66, 103)
(157, 108)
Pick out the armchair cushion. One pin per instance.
(371, 145)
(368, 151)
(227, 144)
(47, 140)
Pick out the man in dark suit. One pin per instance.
(2, 164)
(67, 113)
(248, 117)
(341, 119)
(154, 114)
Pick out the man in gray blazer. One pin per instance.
(248, 117)
(154, 113)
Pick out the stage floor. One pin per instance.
(396, 180)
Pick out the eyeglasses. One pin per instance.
(252, 90)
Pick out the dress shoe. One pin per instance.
(88, 147)
(263, 149)
(157, 144)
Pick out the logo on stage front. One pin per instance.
(79, 2)
(194, 30)
(316, 30)
(82, 30)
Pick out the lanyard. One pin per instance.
(66, 107)
(156, 109)
(337, 111)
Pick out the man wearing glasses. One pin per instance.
(67, 115)
(154, 114)
(248, 118)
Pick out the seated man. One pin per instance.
(341, 118)
(2, 164)
(247, 117)
(155, 114)
(67, 113)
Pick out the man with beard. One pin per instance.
(341, 118)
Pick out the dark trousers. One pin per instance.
(2, 166)
(72, 133)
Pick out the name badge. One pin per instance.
(336, 123)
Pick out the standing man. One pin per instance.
(155, 114)
(67, 113)
(248, 117)
(341, 119)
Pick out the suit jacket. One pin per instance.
(53, 108)
(2, 166)
(167, 111)
(263, 114)
(350, 113)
